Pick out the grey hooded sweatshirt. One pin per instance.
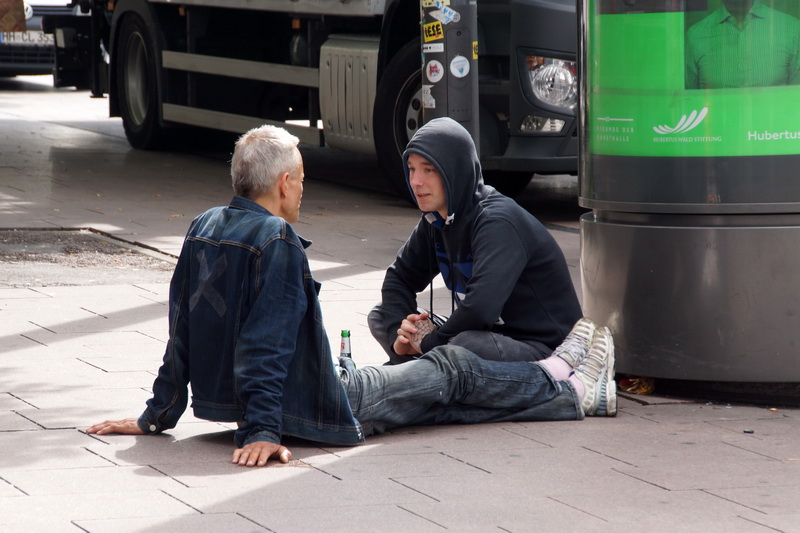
(504, 270)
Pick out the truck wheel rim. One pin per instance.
(136, 79)
(413, 118)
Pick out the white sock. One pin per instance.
(580, 390)
(558, 368)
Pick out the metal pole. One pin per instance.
(449, 44)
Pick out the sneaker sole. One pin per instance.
(608, 397)
(608, 400)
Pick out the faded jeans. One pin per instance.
(451, 385)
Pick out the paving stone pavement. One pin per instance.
(74, 355)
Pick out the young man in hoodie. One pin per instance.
(512, 295)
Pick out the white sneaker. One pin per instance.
(577, 343)
(596, 373)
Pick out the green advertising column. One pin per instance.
(690, 135)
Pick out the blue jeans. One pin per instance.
(451, 385)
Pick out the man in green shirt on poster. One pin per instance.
(744, 43)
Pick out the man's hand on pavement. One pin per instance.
(258, 453)
(128, 426)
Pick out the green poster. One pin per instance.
(693, 78)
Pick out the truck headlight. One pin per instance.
(553, 81)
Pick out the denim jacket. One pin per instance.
(245, 329)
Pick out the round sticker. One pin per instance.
(459, 66)
(434, 70)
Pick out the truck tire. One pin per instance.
(137, 86)
(398, 113)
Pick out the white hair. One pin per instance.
(262, 155)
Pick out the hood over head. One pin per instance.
(449, 147)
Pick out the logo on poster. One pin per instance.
(686, 123)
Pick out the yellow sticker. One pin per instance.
(432, 31)
(432, 3)
(474, 49)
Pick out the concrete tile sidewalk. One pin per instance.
(74, 355)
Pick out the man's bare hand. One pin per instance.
(127, 426)
(258, 453)
(412, 330)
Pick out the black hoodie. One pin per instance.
(504, 269)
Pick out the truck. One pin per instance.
(25, 50)
(339, 73)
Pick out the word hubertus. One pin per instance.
(768, 136)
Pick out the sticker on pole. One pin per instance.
(459, 66)
(445, 17)
(434, 71)
(433, 48)
(428, 101)
(445, 14)
(432, 31)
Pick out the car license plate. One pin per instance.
(26, 38)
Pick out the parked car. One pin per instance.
(32, 51)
